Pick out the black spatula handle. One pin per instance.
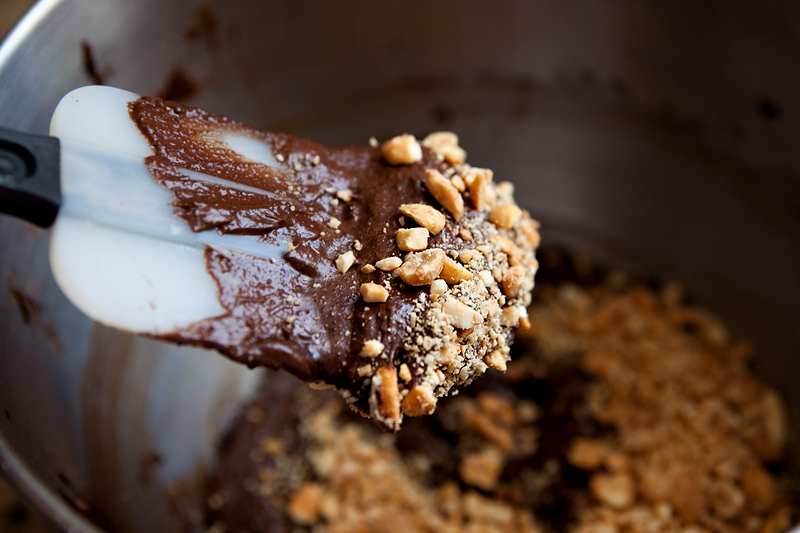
(29, 176)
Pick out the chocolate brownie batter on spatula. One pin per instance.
(393, 273)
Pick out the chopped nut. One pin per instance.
(372, 348)
(345, 261)
(404, 372)
(401, 150)
(496, 360)
(513, 282)
(482, 469)
(445, 143)
(422, 268)
(374, 293)
(759, 489)
(530, 230)
(368, 269)
(726, 499)
(505, 216)
(465, 234)
(497, 407)
(290, 246)
(616, 490)
(344, 195)
(687, 497)
(510, 316)
(461, 315)
(453, 273)
(426, 216)
(505, 190)
(364, 371)
(419, 401)
(384, 398)
(444, 192)
(505, 244)
(412, 239)
(465, 256)
(334, 223)
(272, 446)
(305, 505)
(587, 454)
(458, 183)
(481, 192)
(438, 287)
(779, 521)
(388, 264)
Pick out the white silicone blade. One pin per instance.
(117, 251)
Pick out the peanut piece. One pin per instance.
(401, 150)
(687, 497)
(384, 400)
(419, 401)
(496, 360)
(445, 143)
(615, 490)
(412, 240)
(465, 256)
(461, 315)
(305, 505)
(453, 273)
(726, 499)
(479, 183)
(388, 264)
(510, 316)
(374, 293)
(439, 286)
(482, 469)
(530, 230)
(345, 261)
(444, 192)
(514, 281)
(426, 216)
(458, 183)
(505, 216)
(422, 268)
(505, 244)
(344, 195)
(372, 348)
(759, 489)
(404, 372)
(586, 454)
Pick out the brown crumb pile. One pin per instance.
(626, 411)
(362, 483)
(694, 431)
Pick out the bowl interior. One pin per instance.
(654, 137)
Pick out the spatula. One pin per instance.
(117, 251)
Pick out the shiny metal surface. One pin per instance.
(660, 136)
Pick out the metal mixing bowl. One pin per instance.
(660, 136)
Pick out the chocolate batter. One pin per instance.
(301, 313)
